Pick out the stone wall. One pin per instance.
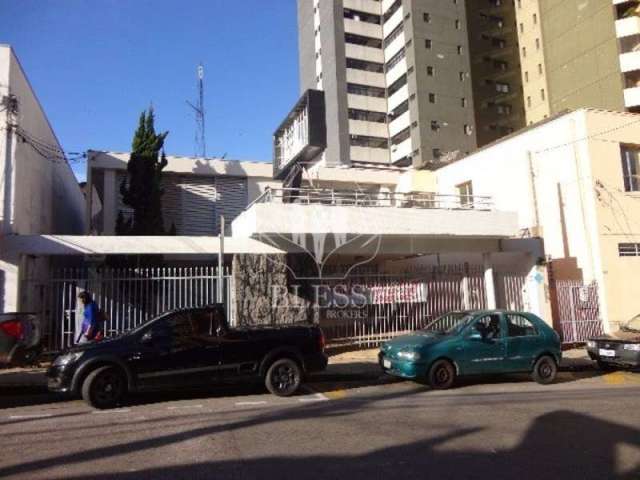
(266, 291)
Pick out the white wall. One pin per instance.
(37, 195)
(546, 164)
(42, 195)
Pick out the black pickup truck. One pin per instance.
(188, 347)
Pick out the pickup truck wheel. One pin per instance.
(105, 387)
(544, 370)
(283, 377)
(441, 375)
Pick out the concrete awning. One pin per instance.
(128, 245)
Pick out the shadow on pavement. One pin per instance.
(554, 446)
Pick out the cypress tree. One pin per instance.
(141, 189)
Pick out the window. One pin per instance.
(361, 16)
(535, 18)
(432, 98)
(540, 68)
(435, 125)
(465, 191)
(430, 70)
(426, 17)
(427, 43)
(366, 141)
(459, 49)
(526, 76)
(364, 65)
(401, 137)
(395, 59)
(524, 51)
(393, 35)
(461, 76)
(366, 90)
(437, 153)
(367, 116)
(630, 167)
(537, 44)
(463, 102)
(528, 101)
(458, 24)
(362, 40)
(519, 326)
(397, 85)
(502, 87)
(542, 95)
(488, 327)
(414, 124)
(399, 110)
(468, 130)
(629, 249)
(522, 28)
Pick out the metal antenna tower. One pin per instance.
(198, 108)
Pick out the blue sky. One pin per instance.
(96, 64)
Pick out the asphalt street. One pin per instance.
(585, 426)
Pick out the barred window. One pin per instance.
(629, 249)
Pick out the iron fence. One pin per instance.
(127, 296)
(579, 311)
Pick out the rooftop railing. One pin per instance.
(329, 196)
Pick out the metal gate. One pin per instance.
(579, 311)
(128, 296)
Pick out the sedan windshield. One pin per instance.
(450, 323)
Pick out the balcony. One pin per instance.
(628, 26)
(401, 150)
(363, 77)
(368, 6)
(362, 52)
(365, 29)
(369, 129)
(368, 154)
(364, 102)
(630, 62)
(632, 97)
(413, 218)
(396, 71)
(399, 124)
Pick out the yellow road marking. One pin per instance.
(335, 394)
(619, 378)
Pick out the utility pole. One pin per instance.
(221, 262)
(198, 108)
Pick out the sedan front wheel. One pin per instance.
(441, 375)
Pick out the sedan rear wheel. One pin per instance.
(441, 375)
(544, 370)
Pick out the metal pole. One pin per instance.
(220, 293)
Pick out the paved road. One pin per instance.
(585, 426)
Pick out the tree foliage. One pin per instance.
(141, 189)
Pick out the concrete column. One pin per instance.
(489, 281)
(110, 203)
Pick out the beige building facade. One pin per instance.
(574, 181)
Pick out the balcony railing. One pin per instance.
(332, 197)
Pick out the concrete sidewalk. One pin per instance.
(356, 366)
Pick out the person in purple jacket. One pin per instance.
(91, 325)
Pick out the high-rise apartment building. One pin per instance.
(395, 75)
(418, 82)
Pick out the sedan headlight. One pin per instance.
(409, 355)
(66, 359)
(591, 344)
(634, 347)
